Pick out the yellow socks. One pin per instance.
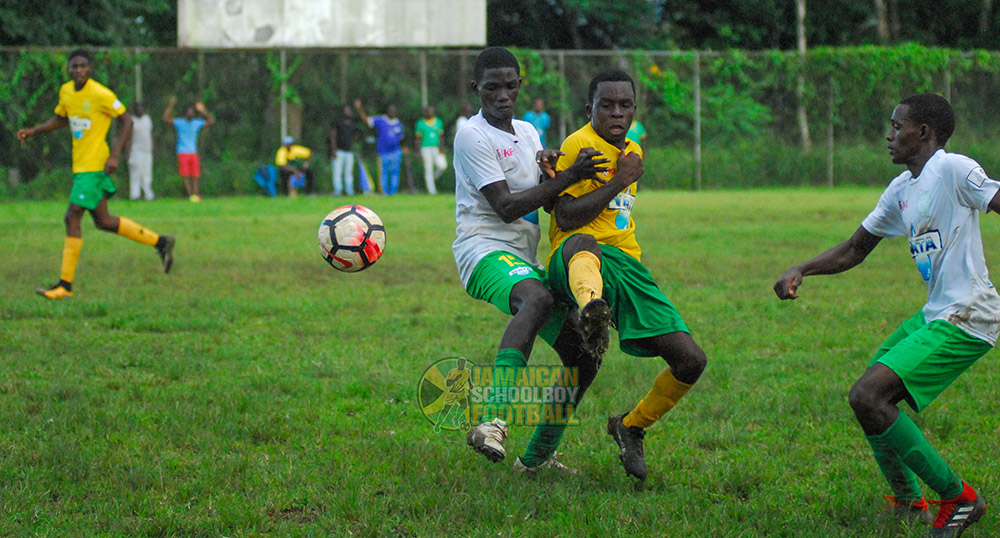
(131, 230)
(584, 277)
(71, 254)
(661, 398)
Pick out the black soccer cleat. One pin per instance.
(956, 515)
(595, 320)
(165, 248)
(629, 439)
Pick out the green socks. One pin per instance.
(913, 455)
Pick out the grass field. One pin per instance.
(255, 391)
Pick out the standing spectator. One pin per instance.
(140, 157)
(342, 133)
(429, 134)
(187, 143)
(293, 163)
(388, 134)
(539, 118)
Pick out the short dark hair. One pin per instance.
(495, 58)
(608, 75)
(83, 53)
(933, 110)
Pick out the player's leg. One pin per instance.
(567, 342)
(72, 245)
(581, 257)
(130, 229)
(395, 164)
(649, 326)
(134, 180)
(440, 163)
(337, 173)
(147, 176)
(348, 167)
(195, 164)
(916, 369)
(514, 287)
(427, 155)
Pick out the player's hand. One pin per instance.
(588, 165)
(172, 101)
(547, 159)
(25, 134)
(111, 165)
(630, 167)
(787, 286)
(200, 107)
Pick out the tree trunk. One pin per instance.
(800, 85)
(882, 21)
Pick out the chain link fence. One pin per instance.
(714, 119)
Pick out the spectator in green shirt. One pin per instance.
(430, 135)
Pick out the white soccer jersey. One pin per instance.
(939, 212)
(485, 155)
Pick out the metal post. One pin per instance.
(201, 75)
(562, 96)
(343, 78)
(284, 92)
(138, 78)
(697, 121)
(829, 135)
(423, 78)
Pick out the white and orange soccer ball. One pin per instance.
(351, 238)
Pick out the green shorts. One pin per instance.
(496, 275)
(640, 309)
(89, 188)
(928, 357)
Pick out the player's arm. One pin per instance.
(995, 203)
(838, 259)
(209, 119)
(56, 122)
(511, 206)
(361, 112)
(124, 137)
(168, 113)
(572, 213)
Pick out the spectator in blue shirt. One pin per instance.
(388, 134)
(539, 118)
(187, 143)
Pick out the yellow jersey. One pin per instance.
(614, 226)
(89, 112)
(290, 156)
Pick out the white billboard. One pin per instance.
(330, 23)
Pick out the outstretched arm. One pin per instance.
(200, 107)
(361, 111)
(168, 113)
(572, 213)
(838, 259)
(56, 122)
(512, 206)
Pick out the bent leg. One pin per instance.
(685, 363)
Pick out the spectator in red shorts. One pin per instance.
(187, 143)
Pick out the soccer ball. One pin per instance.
(351, 238)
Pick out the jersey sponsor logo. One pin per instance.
(116, 105)
(977, 177)
(903, 204)
(622, 203)
(78, 125)
(503, 153)
(532, 217)
(519, 271)
(922, 247)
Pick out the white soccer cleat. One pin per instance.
(551, 463)
(487, 439)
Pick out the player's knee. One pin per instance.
(106, 224)
(582, 242)
(690, 364)
(862, 399)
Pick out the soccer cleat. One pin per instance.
(957, 514)
(908, 511)
(55, 292)
(551, 463)
(629, 439)
(166, 251)
(595, 318)
(487, 439)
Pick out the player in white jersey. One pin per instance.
(936, 203)
(498, 190)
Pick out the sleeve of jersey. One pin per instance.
(973, 187)
(281, 159)
(884, 220)
(112, 106)
(571, 149)
(477, 160)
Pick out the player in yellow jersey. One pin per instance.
(595, 263)
(87, 107)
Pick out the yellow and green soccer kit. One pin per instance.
(639, 308)
(89, 112)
